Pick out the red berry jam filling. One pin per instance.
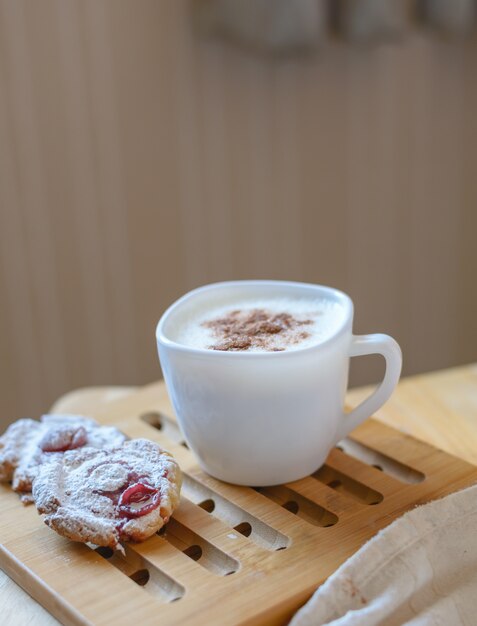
(133, 477)
(64, 438)
(138, 500)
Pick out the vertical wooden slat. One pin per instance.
(90, 230)
(214, 156)
(112, 203)
(323, 130)
(359, 172)
(189, 154)
(435, 216)
(37, 248)
(288, 202)
(249, 118)
(467, 249)
(20, 347)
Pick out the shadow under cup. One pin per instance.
(256, 418)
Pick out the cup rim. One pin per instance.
(162, 338)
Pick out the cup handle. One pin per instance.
(373, 344)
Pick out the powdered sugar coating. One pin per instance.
(14, 442)
(27, 444)
(80, 492)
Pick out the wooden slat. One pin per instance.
(366, 474)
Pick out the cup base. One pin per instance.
(253, 482)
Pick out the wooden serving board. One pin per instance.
(230, 555)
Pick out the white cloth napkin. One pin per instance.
(420, 570)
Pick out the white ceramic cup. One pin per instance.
(265, 418)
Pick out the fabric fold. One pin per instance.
(420, 570)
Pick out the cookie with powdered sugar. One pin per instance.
(107, 496)
(27, 444)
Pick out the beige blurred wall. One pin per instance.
(137, 162)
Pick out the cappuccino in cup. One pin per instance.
(262, 325)
(257, 373)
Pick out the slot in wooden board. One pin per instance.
(230, 555)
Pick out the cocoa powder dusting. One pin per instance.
(256, 328)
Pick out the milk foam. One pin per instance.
(325, 318)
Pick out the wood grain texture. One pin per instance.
(138, 160)
(218, 570)
(439, 408)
